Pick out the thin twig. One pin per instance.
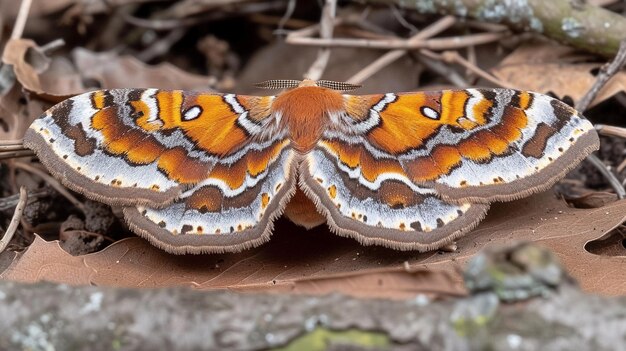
(403, 22)
(15, 220)
(615, 184)
(53, 45)
(606, 73)
(12, 147)
(5, 155)
(447, 43)
(327, 25)
(611, 130)
(53, 183)
(388, 58)
(291, 7)
(20, 21)
(159, 24)
(12, 142)
(12, 201)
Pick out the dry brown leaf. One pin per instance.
(28, 62)
(548, 221)
(275, 267)
(611, 244)
(56, 80)
(547, 68)
(319, 262)
(53, 80)
(592, 199)
(113, 71)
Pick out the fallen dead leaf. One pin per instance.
(319, 262)
(28, 62)
(545, 67)
(611, 244)
(592, 199)
(113, 71)
(57, 79)
(53, 80)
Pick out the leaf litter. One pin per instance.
(588, 240)
(319, 262)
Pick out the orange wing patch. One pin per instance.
(251, 164)
(215, 130)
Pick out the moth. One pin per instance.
(199, 172)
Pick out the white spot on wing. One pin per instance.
(192, 113)
(430, 113)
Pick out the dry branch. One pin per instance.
(573, 23)
(97, 318)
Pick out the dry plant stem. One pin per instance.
(15, 220)
(9, 202)
(5, 155)
(606, 73)
(611, 131)
(20, 21)
(291, 6)
(447, 43)
(388, 58)
(327, 24)
(53, 45)
(615, 184)
(12, 147)
(574, 23)
(163, 24)
(11, 142)
(53, 183)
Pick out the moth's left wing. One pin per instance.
(476, 145)
(196, 171)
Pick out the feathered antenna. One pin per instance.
(278, 84)
(340, 86)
